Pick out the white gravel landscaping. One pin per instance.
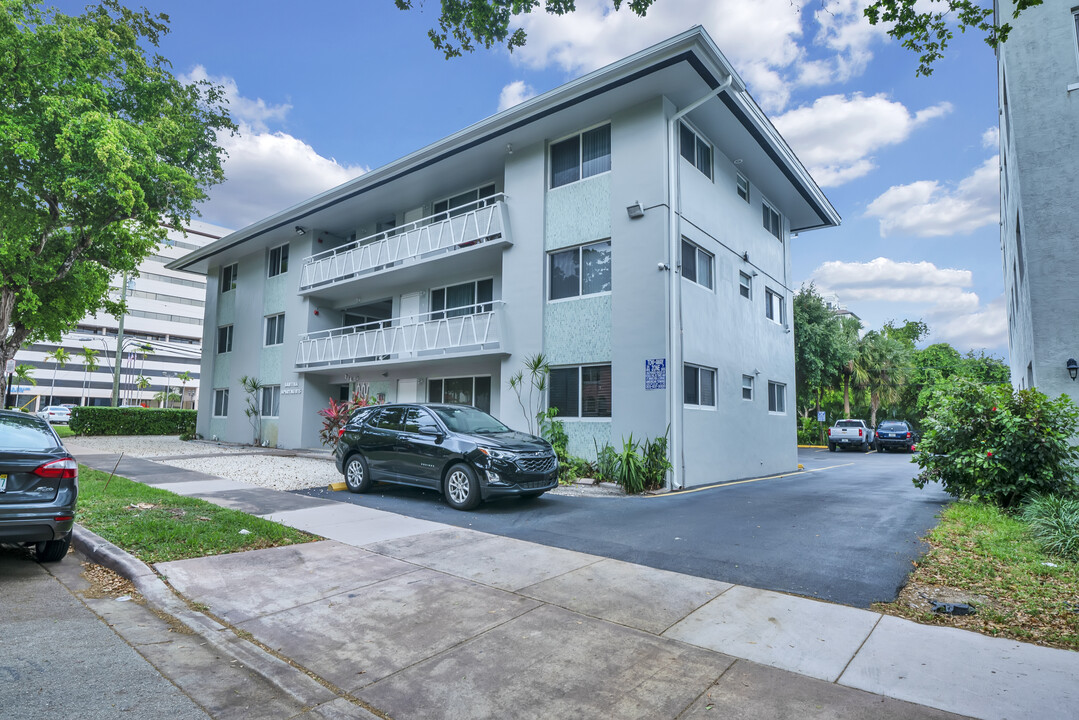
(147, 446)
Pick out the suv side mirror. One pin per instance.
(430, 430)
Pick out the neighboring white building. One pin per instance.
(545, 228)
(838, 309)
(1038, 94)
(162, 337)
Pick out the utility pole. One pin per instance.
(119, 344)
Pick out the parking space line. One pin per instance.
(742, 482)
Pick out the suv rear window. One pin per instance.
(25, 433)
(893, 425)
(849, 423)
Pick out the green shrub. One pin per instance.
(606, 463)
(554, 432)
(996, 443)
(133, 421)
(1054, 523)
(629, 472)
(808, 431)
(656, 463)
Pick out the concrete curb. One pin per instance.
(290, 680)
(814, 446)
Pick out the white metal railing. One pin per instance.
(426, 334)
(477, 222)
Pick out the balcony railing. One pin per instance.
(426, 335)
(461, 227)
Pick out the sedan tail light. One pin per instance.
(908, 434)
(65, 469)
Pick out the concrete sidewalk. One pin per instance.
(415, 619)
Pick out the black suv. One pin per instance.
(463, 452)
(895, 435)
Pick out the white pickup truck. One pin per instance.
(847, 433)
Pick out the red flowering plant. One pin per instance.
(337, 414)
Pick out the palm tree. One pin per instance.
(60, 356)
(165, 398)
(887, 363)
(852, 371)
(23, 375)
(89, 365)
(184, 378)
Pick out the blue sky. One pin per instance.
(328, 91)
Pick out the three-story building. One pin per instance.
(632, 225)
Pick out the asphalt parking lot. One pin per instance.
(845, 529)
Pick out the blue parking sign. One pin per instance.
(655, 374)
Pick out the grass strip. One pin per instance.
(63, 431)
(156, 525)
(1021, 592)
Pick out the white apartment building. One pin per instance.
(1038, 95)
(632, 225)
(162, 338)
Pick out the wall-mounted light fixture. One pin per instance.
(1073, 368)
(745, 256)
(300, 230)
(636, 210)
(509, 148)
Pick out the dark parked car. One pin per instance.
(463, 452)
(39, 484)
(895, 435)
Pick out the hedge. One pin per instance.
(91, 420)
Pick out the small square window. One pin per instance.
(580, 271)
(228, 277)
(745, 285)
(747, 387)
(699, 386)
(697, 264)
(777, 398)
(581, 156)
(743, 188)
(278, 261)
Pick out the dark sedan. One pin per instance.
(895, 435)
(39, 484)
(463, 452)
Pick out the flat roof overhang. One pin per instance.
(682, 69)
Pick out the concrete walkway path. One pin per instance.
(421, 620)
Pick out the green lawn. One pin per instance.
(157, 525)
(981, 550)
(63, 431)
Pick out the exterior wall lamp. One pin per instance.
(1073, 368)
(300, 230)
(636, 210)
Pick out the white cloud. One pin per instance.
(927, 209)
(514, 94)
(991, 138)
(763, 39)
(837, 135)
(941, 296)
(265, 171)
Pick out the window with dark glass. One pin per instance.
(745, 285)
(699, 386)
(279, 260)
(747, 387)
(696, 264)
(743, 188)
(771, 220)
(228, 277)
(224, 339)
(475, 391)
(581, 271)
(581, 391)
(581, 156)
(777, 397)
(221, 403)
(275, 329)
(465, 299)
(773, 306)
(271, 401)
(390, 419)
(465, 201)
(418, 419)
(695, 149)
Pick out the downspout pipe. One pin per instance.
(674, 287)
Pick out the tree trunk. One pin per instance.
(846, 396)
(874, 404)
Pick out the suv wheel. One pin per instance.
(53, 550)
(357, 476)
(462, 488)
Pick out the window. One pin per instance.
(581, 391)
(568, 279)
(771, 221)
(696, 264)
(464, 299)
(699, 386)
(743, 187)
(279, 260)
(460, 204)
(745, 285)
(747, 387)
(391, 419)
(417, 419)
(228, 277)
(224, 339)
(221, 403)
(271, 401)
(773, 306)
(777, 397)
(475, 391)
(275, 329)
(581, 156)
(696, 150)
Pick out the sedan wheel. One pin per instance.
(53, 550)
(357, 477)
(462, 489)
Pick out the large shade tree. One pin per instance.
(924, 28)
(99, 145)
(821, 349)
